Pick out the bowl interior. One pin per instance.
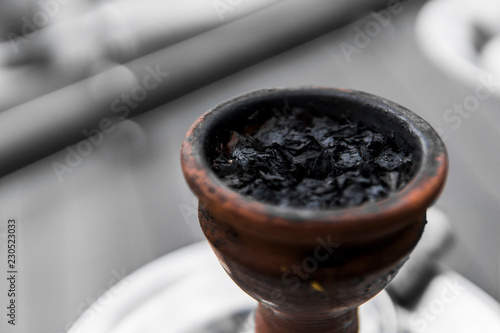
(249, 113)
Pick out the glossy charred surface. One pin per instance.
(310, 269)
(294, 157)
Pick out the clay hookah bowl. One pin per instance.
(311, 269)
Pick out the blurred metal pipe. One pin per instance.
(123, 30)
(47, 124)
(76, 48)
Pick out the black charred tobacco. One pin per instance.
(298, 159)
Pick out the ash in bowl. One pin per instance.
(297, 159)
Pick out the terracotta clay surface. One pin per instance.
(310, 270)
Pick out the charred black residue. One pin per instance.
(207, 220)
(218, 242)
(296, 158)
(231, 234)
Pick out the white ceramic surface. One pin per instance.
(447, 31)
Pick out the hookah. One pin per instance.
(239, 280)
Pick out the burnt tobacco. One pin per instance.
(294, 158)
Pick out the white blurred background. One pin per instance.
(136, 74)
